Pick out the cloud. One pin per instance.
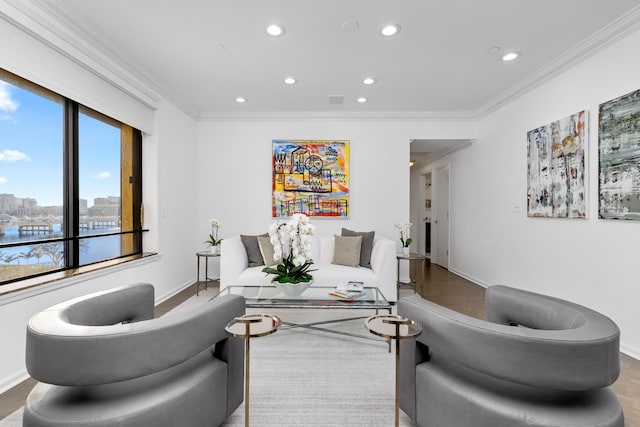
(12, 156)
(103, 175)
(8, 106)
(3, 180)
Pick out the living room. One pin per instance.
(198, 166)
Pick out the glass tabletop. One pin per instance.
(314, 297)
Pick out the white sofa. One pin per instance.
(235, 270)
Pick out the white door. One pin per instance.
(440, 221)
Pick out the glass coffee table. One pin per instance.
(316, 297)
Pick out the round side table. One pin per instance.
(206, 255)
(251, 326)
(391, 326)
(412, 257)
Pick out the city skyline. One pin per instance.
(31, 157)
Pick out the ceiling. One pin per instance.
(203, 54)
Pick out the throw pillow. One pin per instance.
(253, 250)
(267, 251)
(367, 245)
(346, 250)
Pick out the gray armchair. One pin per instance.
(103, 360)
(536, 361)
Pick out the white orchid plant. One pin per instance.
(291, 242)
(403, 228)
(213, 237)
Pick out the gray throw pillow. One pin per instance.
(367, 245)
(253, 249)
(346, 250)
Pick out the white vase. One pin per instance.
(405, 250)
(293, 289)
(215, 250)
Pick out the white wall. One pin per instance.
(169, 196)
(234, 170)
(592, 262)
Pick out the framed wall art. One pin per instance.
(310, 177)
(556, 168)
(619, 158)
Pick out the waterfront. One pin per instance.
(50, 254)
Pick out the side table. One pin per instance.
(412, 257)
(251, 326)
(391, 326)
(206, 255)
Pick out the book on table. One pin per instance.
(349, 290)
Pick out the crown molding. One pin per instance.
(608, 35)
(430, 116)
(47, 25)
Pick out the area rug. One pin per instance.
(301, 377)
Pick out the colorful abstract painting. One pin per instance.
(556, 168)
(619, 153)
(310, 177)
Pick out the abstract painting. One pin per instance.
(556, 168)
(619, 153)
(310, 177)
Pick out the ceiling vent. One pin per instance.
(336, 99)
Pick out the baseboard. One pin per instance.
(470, 278)
(630, 351)
(174, 292)
(10, 382)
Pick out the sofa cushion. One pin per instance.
(366, 247)
(347, 250)
(253, 250)
(267, 251)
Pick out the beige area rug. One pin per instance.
(301, 377)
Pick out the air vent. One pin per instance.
(336, 99)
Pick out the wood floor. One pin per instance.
(441, 287)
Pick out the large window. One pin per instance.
(70, 183)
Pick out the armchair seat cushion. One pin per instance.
(473, 399)
(165, 398)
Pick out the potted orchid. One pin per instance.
(403, 229)
(292, 249)
(213, 241)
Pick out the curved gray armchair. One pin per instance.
(535, 361)
(102, 360)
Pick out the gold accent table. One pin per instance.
(251, 326)
(391, 326)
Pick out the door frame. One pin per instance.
(438, 195)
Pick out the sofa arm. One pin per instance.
(384, 265)
(233, 260)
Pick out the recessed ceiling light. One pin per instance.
(509, 56)
(369, 80)
(240, 100)
(290, 81)
(362, 100)
(390, 30)
(493, 50)
(350, 25)
(275, 30)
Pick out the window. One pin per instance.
(70, 183)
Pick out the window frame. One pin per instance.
(131, 175)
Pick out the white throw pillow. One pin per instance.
(267, 251)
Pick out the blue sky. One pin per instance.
(31, 150)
